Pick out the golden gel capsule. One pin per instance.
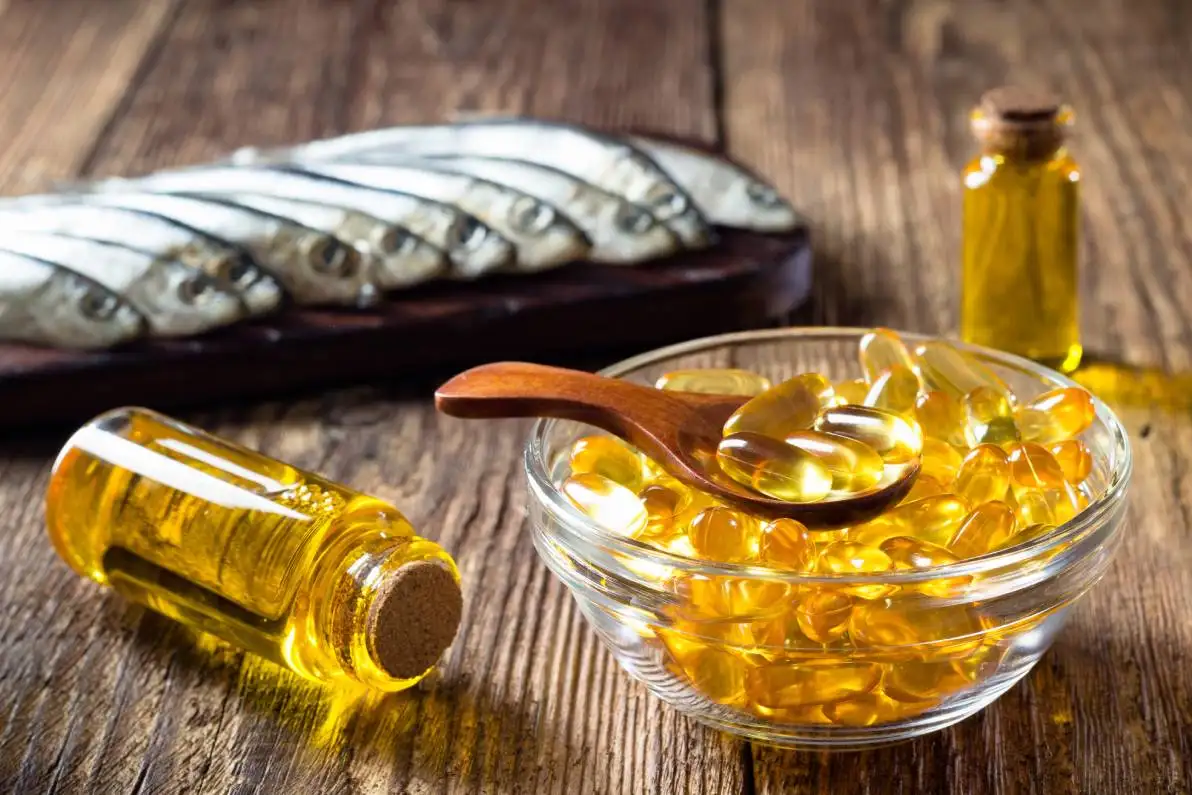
(871, 709)
(895, 439)
(984, 408)
(774, 468)
(724, 534)
(607, 503)
(662, 504)
(328, 582)
(853, 392)
(608, 456)
(984, 529)
(810, 682)
(823, 615)
(880, 350)
(848, 557)
(944, 367)
(1032, 466)
(932, 519)
(854, 466)
(789, 406)
(916, 681)
(924, 486)
(945, 631)
(1033, 508)
(716, 673)
(941, 417)
(1074, 458)
(984, 475)
(714, 382)
(895, 390)
(787, 544)
(1065, 502)
(914, 553)
(941, 461)
(1057, 415)
(1029, 533)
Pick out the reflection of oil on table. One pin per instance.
(857, 110)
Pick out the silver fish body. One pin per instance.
(474, 248)
(226, 263)
(312, 266)
(620, 232)
(44, 304)
(725, 193)
(609, 163)
(398, 256)
(175, 300)
(543, 237)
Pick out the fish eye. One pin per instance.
(328, 256)
(193, 288)
(633, 219)
(392, 240)
(530, 216)
(470, 234)
(98, 305)
(666, 202)
(236, 270)
(763, 195)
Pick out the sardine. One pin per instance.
(44, 304)
(544, 238)
(473, 247)
(620, 232)
(165, 239)
(725, 193)
(400, 257)
(313, 267)
(175, 300)
(609, 163)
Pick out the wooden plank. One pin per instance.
(97, 695)
(858, 109)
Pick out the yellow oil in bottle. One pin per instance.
(1019, 279)
(331, 583)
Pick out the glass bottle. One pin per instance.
(329, 582)
(1020, 239)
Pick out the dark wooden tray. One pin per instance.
(746, 280)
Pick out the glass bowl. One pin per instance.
(915, 650)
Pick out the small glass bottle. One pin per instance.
(1019, 284)
(331, 583)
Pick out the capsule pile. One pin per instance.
(996, 472)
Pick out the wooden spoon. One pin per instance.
(679, 430)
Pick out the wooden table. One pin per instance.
(857, 109)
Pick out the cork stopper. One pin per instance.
(413, 618)
(1018, 120)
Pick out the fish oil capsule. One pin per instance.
(1034, 508)
(852, 392)
(854, 466)
(915, 681)
(789, 406)
(894, 438)
(725, 535)
(895, 390)
(711, 381)
(941, 461)
(984, 475)
(850, 557)
(244, 547)
(987, 526)
(774, 468)
(607, 456)
(871, 709)
(810, 682)
(982, 406)
(913, 553)
(607, 503)
(823, 615)
(941, 417)
(944, 367)
(705, 597)
(662, 504)
(716, 673)
(786, 543)
(1065, 502)
(1057, 415)
(940, 631)
(1032, 466)
(880, 350)
(1074, 458)
(932, 519)
(924, 486)
(1025, 535)
(1002, 431)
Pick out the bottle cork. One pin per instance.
(413, 618)
(1028, 122)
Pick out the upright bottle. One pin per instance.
(331, 583)
(1020, 242)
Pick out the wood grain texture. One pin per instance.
(857, 109)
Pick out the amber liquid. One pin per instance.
(219, 537)
(1020, 245)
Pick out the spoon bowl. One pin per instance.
(678, 430)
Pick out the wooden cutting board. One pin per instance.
(745, 281)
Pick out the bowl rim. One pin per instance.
(576, 522)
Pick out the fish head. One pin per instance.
(88, 315)
(752, 204)
(327, 258)
(631, 234)
(475, 247)
(178, 300)
(404, 258)
(547, 237)
(649, 188)
(260, 291)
